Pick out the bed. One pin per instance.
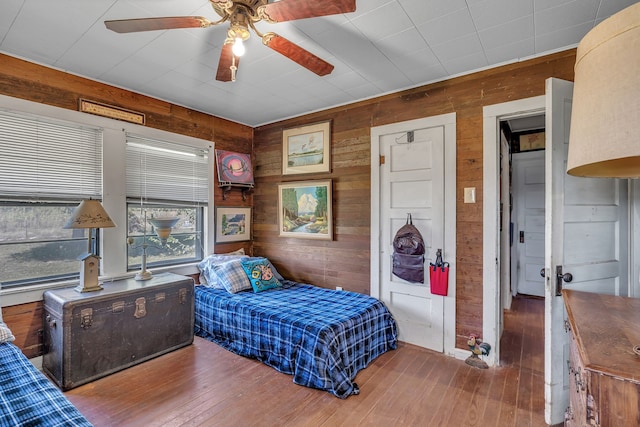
(27, 397)
(321, 337)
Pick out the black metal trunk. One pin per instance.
(90, 335)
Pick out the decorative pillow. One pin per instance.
(5, 333)
(208, 276)
(232, 276)
(273, 268)
(259, 272)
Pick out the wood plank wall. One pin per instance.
(345, 260)
(25, 80)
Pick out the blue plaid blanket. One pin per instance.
(28, 398)
(320, 336)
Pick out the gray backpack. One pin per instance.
(408, 253)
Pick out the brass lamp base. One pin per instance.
(143, 275)
(83, 288)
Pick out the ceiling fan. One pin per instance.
(242, 15)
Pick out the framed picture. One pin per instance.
(304, 209)
(233, 224)
(234, 168)
(307, 149)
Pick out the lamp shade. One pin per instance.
(605, 124)
(163, 226)
(89, 214)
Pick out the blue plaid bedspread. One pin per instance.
(320, 336)
(28, 398)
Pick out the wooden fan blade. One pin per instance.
(297, 54)
(289, 10)
(151, 24)
(224, 73)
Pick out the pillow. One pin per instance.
(232, 276)
(5, 333)
(273, 268)
(208, 275)
(259, 273)
(236, 252)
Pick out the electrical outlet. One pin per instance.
(470, 194)
(338, 288)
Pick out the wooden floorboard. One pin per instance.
(205, 385)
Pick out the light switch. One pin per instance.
(470, 194)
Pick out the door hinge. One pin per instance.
(382, 160)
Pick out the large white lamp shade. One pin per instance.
(605, 123)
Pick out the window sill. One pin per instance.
(32, 293)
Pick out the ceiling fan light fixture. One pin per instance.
(242, 15)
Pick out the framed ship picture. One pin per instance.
(307, 149)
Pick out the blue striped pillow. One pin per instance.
(232, 276)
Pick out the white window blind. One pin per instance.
(165, 171)
(41, 158)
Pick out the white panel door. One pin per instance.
(585, 236)
(412, 182)
(528, 171)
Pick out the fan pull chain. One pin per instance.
(233, 68)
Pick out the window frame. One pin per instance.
(199, 254)
(114, 259)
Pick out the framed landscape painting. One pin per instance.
(307, 149)
(304, 209)
(233, 224)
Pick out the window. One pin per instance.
(165, 180)
(46, 168)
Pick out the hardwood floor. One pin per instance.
(205, 385)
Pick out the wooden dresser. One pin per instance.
(604, 371)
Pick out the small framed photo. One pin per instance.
(307, 149)
(233, 224)
(304, 209)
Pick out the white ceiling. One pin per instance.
(384, 46)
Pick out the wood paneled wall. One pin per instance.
(345, 261)
(25, 80)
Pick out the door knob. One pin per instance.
(561, 277)
(567, 277)
(542, 272)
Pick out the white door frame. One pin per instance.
(449, 123)
(491, 294)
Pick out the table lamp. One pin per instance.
(91, 215)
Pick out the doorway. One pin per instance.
(496, 271)
(522, 143)
(522, 201)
